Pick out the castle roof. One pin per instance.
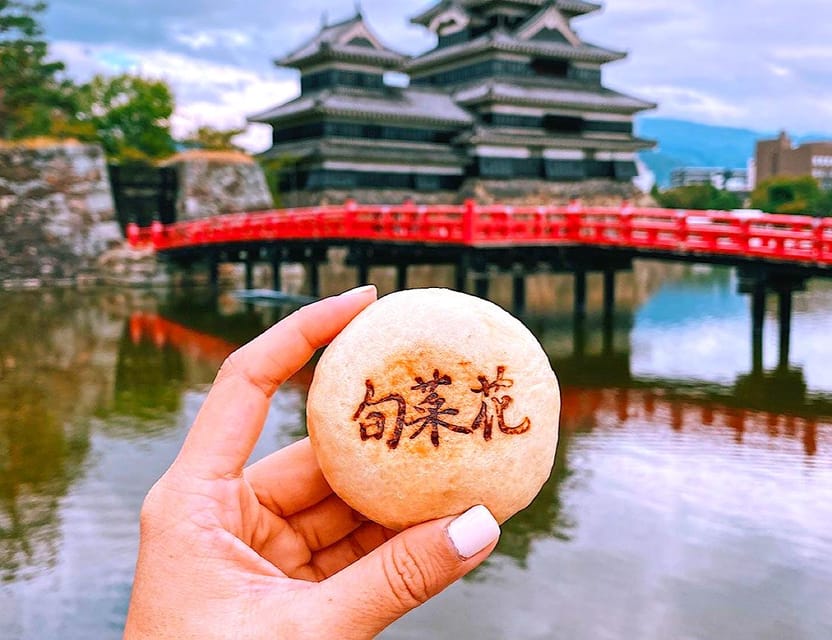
(504, 42)
(570, 8)
(411, 104)
(349, 40)
(357, 150)
(551, 96)
(541, 138)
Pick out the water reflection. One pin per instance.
(683, 477)
(54, 370)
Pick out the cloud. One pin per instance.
(758, 63)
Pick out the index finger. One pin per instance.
(231, 418)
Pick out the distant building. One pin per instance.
(509, 92)
(734, 180)
(780, 158)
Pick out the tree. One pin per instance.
(787, 195)
(698, 197)
(130, 114)
(212, 139)
(823, 206)
(32, 91)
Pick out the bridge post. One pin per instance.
(463, 264)
(314, 278)
(277, 280)
(758, 317)
(249, 273)
(785, 321)
(609, 310)
(481, 284)
(519, 291)
(609, 293)
(580, 294)
(363, 271)
(401, 276)
(214, 271)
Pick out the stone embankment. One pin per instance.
(56, 212)
(58, 223)
(212, 183)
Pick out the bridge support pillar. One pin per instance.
(249, 273)
(401, 277)
(784, 312)
(214, 271)
(314, 278)
(609, 293)
(463, 264)
(609, 311)
(481, 285)
(363, 272)
(580, 295)
(758, 317)
(783, 281)
(519, 291)
(277, 280)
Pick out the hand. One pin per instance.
(270, 551)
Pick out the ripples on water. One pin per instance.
(690, 499)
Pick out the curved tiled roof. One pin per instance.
(600, 99)
(328, 44)
(501, 41)
(412, 104)
(571, 7)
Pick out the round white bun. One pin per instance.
(430, 402)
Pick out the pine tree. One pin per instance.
(32, 91)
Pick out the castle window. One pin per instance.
(563, 124)
(550, 68)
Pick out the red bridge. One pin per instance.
(707, 235)
(776, 253)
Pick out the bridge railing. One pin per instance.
(778, 237)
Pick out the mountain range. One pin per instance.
(682, 143)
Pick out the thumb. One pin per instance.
(405, 572)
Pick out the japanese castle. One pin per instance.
(510, 92)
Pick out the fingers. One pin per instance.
(326, 523)
(405, 572)
(289, 480)
(290, 543)
(369, 536)
(229, 423)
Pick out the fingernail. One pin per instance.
(473, 531)
(365, 289)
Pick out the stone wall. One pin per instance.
(542, 192)
(213, 183)
(56, 211)
(516, 191)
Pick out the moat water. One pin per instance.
(691, 498)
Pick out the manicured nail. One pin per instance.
(473, 531)
(365, 289)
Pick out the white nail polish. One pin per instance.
(473, 531)
(365, 289)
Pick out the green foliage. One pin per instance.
(130, 115)
(699, 197)
(823, 206)
(213, 139)
(799, 195)
(32, 91)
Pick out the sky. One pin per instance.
(759, 64)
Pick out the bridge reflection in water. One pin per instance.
(761, 411)
(599, 388)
